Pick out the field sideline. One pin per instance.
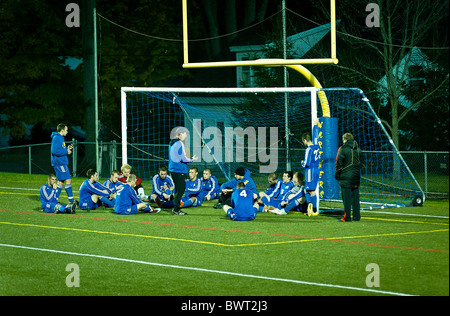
(205, 254)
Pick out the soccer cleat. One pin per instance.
(57, 207)
(277, 211)
(156, 210)
(179, 213)
(218, 205)
(310, 209)
(181, 204)
(73, 207)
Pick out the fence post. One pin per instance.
(29, 159)
(74, 156)
(425, 161)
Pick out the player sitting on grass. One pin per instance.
(274, 188)
(295, 200)
(240, 175)
(211, 187)
(127, 201)
(112, 184)
(126, 171)
(163, 189)
(92, 192)
(285, 187)
(49, 202)
(194, 187)
(242, 207)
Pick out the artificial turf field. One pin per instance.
(206, 254)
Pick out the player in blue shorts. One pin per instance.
(285, 187)
(92, 192)
(112, 184)
(127, 201)
(60, 162)
(294, 200)
(242, 207)
(163, 188)
(49, 202)
(211, 188)
(311, 165)
(194, 188)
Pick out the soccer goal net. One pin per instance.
(260, 129)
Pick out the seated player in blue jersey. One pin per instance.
(274, 187)
(295, 199)
(163, 187)
(211, 187)
(93, 194)
(311, 165)
(240, 175)
(285, 187)
(49, 201)
(194, 188)
(112, 184)
(127, 201)
(242, 207)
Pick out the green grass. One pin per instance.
(271, 256)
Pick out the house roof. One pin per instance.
(302, 42)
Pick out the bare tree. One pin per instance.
(386, 50)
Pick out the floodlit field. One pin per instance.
(403, 251)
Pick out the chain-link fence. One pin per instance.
(431, 169)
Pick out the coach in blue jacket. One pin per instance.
(178, 167)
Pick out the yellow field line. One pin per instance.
(222, 244)
(405, 221)
(115, 233)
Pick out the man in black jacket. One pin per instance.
(349, 161)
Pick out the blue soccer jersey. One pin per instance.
(87, 189)
(242, 206)
(126, 200)
(161, 186)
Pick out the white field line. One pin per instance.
(370, 290)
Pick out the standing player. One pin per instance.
(60, 162)
(311, 165)
(49, 202)
(242, 207)
(127, 201)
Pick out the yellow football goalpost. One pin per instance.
(296, 64)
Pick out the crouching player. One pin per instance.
(127, 201)
(49, 201)
(242, 207)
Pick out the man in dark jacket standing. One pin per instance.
(349, 161)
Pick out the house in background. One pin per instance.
(410, 71)
(301, 44)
